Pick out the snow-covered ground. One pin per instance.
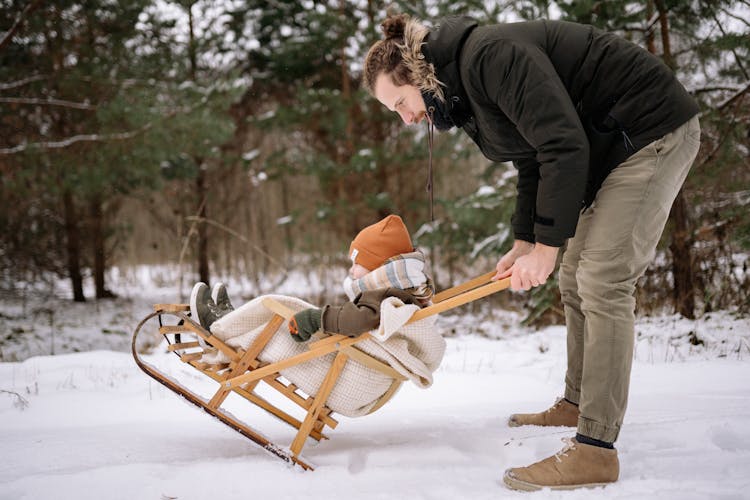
(90, 424)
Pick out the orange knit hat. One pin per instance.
(379, 242)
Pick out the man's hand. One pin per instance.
(505, 264)
(534, 268)
(303, 324)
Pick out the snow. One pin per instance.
(82, 425)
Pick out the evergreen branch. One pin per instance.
(731, 100)
(8, 36)
(723, 137)
(737, 58)
(48, 102)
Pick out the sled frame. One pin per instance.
(244, 371)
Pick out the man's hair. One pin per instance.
(399, 56)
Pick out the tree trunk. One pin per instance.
(97, 248)
(682, 260)
(200, 185)
(664, 28)
(682, 241)
(650, 42)
(73, 246)
(200, 180)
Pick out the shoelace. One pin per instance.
(557, 403)
(569, 445)
(430, 142)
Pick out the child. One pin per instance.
(384, 264)
(386, 284)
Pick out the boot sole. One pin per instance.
(513, 423)
(194, 301)
(215, 292)
(518, 484)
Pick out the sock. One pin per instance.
(594, 442)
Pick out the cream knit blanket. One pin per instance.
(413, 350)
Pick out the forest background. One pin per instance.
(232, 139)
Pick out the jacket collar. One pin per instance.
(442, 50)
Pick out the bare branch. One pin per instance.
(244, 239)
(703, 90)
(48, 102)
(128, 82)
(76, 138)
(20, 402)
(8, 36)
(121, 136)
(21, 83)
(735, 16)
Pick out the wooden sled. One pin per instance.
(244, 371)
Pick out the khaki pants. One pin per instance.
(615, 240)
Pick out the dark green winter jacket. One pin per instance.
(565, 102)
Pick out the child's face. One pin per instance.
(356, 271)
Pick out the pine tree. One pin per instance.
(706, 44)
(102, 106)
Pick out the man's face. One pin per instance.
(406, 100)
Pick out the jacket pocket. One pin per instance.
(602, 140)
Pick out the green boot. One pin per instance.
(221, 298)
(202, 308)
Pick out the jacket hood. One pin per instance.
(429, 53)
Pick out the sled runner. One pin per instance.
(244, 370)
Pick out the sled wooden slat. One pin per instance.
(183, 345)
(469, 285)
(245, 371)
(206, 335)
(313, 353)
(461, 299)
(305, 403)
(172, 329)
(371, 362)
(320, 398)
(187, 358)
(172, 307)
(248, 358)
(277, 307)
(264, 404)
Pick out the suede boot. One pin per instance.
(577, 465)
(562, 413)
